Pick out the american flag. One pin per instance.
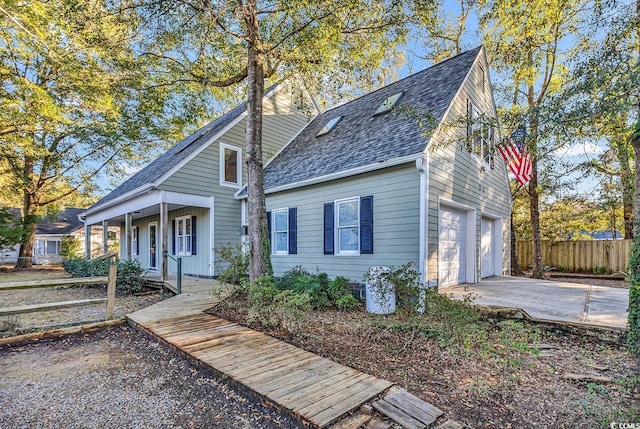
(518, 160)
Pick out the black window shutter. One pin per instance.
(293, 231)
(194, 237)
(137, 240)
(173, 237)
(328, 229)
(366, 224)
(269, 230)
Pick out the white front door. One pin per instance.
(487, 248)
(451, 247)
(153, 246)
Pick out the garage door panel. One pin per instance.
(451, 246)
(487, 248)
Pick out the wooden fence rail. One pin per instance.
(579, 256)
(110, 280)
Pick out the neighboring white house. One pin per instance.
(406, 173)
(51, 231)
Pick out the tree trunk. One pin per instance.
(626, 182)
(534, 210)
(29, 219)
(534, 198)
(259, 246)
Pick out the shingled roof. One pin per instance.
(164, 163)
(362, 138)
(66, 222)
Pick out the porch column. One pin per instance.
(87, 240)
(164, 239)
(105, 237)
(128, 232)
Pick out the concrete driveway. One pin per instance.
(551, 300)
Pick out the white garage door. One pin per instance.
(451, 246)
(487, 248)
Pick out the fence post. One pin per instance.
(111, 290)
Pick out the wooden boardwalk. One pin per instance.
(311, 388)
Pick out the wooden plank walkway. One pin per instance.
(311, 388)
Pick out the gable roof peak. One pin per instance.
(363, 138)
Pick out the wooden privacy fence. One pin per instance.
(579, 256)
(110, 299)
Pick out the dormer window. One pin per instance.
(388, 104)
(331, 124)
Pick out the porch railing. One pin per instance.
(178, 274)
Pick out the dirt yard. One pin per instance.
(116, 378)
(12, 325)
(486, 374)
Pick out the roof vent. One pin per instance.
(331, 124)
(389, 103)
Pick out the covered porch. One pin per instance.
(158, 223)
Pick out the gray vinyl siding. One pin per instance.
(396, 215)
(201, 175)
(196, 264)
(460, 176)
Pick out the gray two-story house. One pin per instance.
(406, 173)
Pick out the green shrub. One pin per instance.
(235, 262)
(69, 248)
(275, 308)
(324, 293)
(129, 278)
(347, 303)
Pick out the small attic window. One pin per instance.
(331, 124)
(389, 103)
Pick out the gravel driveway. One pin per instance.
(117, 378)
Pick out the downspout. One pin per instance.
(87, 238)
(422, 165)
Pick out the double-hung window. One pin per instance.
(281, 231)
(348, 226)
(48, 247)
(183, 236)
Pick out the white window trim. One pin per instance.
(223, 182)
(44, 242)
(336, 239)
(178, 219)
(273, 231)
